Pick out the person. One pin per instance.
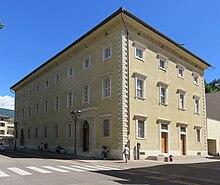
(58, 148)
(126, 152)
(45, 146)
(40, 147)
(104, 152)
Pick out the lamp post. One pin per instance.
(15, 135)
(75, 117)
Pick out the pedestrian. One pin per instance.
(126, 152)
(104, 152)
(40, 147)
(46, 146)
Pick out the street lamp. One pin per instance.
(75, 116)
(15, 135)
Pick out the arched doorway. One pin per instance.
(85, 136)
(22, 137)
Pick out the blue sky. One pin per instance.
(38, 29)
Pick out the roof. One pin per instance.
(119, 11)
(213, 105)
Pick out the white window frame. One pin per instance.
(140, 47)
(195, 76)
(196, 106)
(84, 102)
(106, 121)
(106, 89)
(104, 49)
(141, 77)
(57, 103)
(164, 86)
(70, 72)
(69, 99)
(85, 60)
(164, 59)
(197, 128)
(142, 119)
(181, 67)
(181, 104)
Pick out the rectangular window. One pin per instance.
(162, 64)
(139, 53)
(69, 130)
(46, 84)
(182, 99)
(29, 111)
(57, 78)
(2, 132)
(180, 70)
(37, 109)
(70, 72)
(183, 129)
(198, 135)
(56, 130)
(106, 87)
(86, 94)
(46, 105)
(195, 79)
(38, 88)
(106, 53)
(30, 92)
(164, 127)
(45, 132)
(139, 88)
(36, 132)
(23, 113)
(196, 101)
(140, 129)
(2, 124)
(106, 126)
(70, 99)
(163, 95)
(29, 134)
(86, 63)
(57, 103)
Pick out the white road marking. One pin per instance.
(69, 168)
(84, 168)
(19, 171)
(108, 168)
(2, 174)
(40, 170)
(55, 169)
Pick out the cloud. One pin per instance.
(7, 102)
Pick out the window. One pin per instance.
(69, 130)
(140, 127)
(183, 129)
(38, 88)
(198, 135)
(46, 84)
(56, 129)
(139, 51)
(57, 103)
(36, 132)
(106, 87)
(106, 52)
(140, 91)
(182, 99)
(45, 132)
(37, 109)
(57, 78)
(2, 132)
(46, 105)
(29, 134)
(70, 72)
(196, 104)
(106, 126)
(70, 99)
(163, 93)
(162, 61)
(195, 79)
(86, 63)
(180, 70)
(86, 94)
(29, 111)
(30, 92)
(23, 113)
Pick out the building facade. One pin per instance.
(134, 86)
(213, 122)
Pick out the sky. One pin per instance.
(36, 30)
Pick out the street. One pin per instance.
(20, 168)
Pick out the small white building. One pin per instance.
(213, 122)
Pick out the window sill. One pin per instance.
(181, 77)
(106, 97)
(141, 59)
(196, 84)
(164, 104)
(197, 113)
(163, 69)
(140, 138)
(140, 98)
(104, 59)
(182, 109)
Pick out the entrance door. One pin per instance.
(183, 144)
(164, 137)
(86, 136)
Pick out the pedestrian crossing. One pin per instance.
(30, 170)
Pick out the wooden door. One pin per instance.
(183, 144)
(163, 142)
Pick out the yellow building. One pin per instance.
(133, 85)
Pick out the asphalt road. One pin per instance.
(35, 169)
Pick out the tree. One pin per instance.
(212, 86)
